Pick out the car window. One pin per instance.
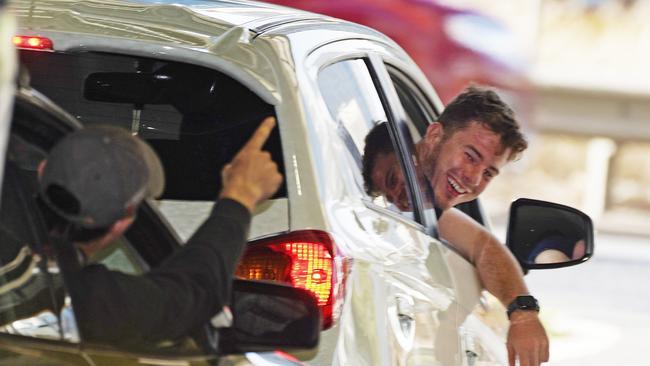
(195, 118)
(354, 104)
(418, 111)
(406, 134)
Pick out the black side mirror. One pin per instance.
(548, 235)
(268, 316)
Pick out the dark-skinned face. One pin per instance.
(387, 178)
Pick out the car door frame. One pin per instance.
(375, 54)
(467, 283)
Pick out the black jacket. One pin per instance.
(172, 300)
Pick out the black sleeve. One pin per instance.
(172, 300)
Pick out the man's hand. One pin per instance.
(251, 176)
(527, 339)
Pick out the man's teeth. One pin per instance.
(455, 185)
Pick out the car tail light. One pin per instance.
(33, 43)
(304, 259)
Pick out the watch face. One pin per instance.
(523, 303)
(527, 302)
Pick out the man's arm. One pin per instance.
(500, 274)
(194, 283)
(172, 300)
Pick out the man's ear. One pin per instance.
(431, 139)
(41, 168)
(434, 133)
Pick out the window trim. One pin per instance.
(399, 130)
(430, 108)
(395, 215)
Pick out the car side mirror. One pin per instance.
(545, 235)
(268, 316)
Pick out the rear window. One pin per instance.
(195, 118)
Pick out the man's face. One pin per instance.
(388, 179)
(460, 166)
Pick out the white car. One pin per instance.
(194, 80)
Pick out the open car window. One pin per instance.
(195, 118)
(361, 123)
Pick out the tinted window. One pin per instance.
(195, 118)
(355, 106)
(417, 110)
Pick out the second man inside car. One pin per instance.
(93, 182)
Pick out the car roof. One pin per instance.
(190, 22)
(193, 31)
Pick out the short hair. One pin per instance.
(483, 105)
(377, 142)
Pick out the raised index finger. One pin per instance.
(260, 135)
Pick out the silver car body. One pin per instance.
(408, 299)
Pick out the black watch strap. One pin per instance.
(525, 302)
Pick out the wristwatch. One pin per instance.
(526, 302)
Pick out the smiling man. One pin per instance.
(475, 136)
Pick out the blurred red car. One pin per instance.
(452, 46)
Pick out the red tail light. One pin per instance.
(33, 43)
(304, 259)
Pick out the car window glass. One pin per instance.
(417, 112)
(356, 108)
(418, 115)
(195, 118)
(351, 99)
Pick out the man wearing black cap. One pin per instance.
(93, 181)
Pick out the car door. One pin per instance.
(481, 318)
(396, 310)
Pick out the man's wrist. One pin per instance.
(523, 316)
(245, 200)
(523, 304)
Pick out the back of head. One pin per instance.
(377, 142)
(482, 105)
(98, 175)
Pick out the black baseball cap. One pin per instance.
(100, 174)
